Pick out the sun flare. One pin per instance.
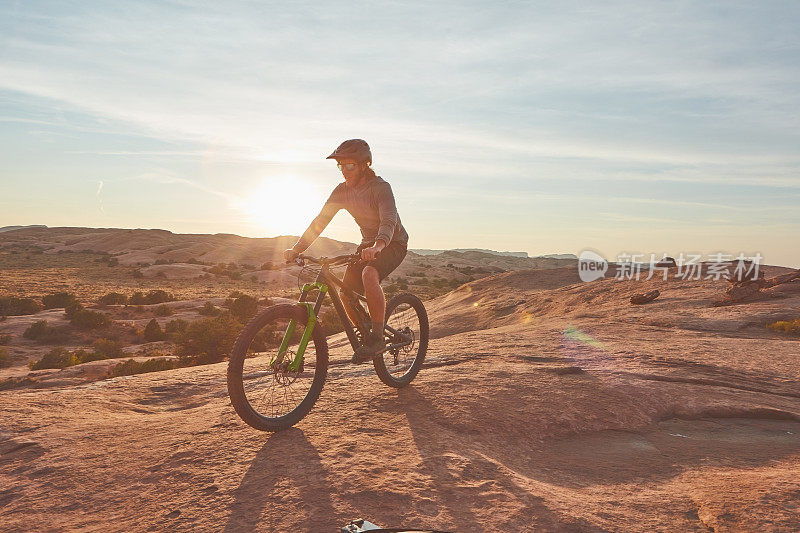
(282, 205)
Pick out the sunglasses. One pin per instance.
(347, 166)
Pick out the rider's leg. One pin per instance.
(376, 301)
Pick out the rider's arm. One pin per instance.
(387, 211)
(331, 207)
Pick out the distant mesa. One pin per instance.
(426, 251)
(14, 228)
(558, 256)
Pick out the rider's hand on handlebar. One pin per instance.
(290, 255)
(368, 254)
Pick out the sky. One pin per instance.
(547, 127)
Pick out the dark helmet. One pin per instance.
(357, 149)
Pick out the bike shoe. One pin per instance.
(374, 346)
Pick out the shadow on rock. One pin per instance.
(286, 472)
(478, 493)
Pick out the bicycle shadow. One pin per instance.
(464, 479)
(286, 472)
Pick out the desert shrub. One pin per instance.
(131, 366)
(56, 358)
(153, 332)
(268, 266)
(331, 322)
(13, 306)
(786, 326)
(58, 299)
(82, 356)
(137, 298)
(5, 358)
(176, 326)
(157, 297)
(209, 340)
(113, 298)
(86, 319)
(5, 338)
(71, 309)
(109, 348)
(243, 307)
(163, 261)
(37, 330)
(209, 309)
(163, 310)
(43, 333)
(137, 274)
(161, 274)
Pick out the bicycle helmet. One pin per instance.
(357, 149)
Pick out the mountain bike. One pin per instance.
(279, 362)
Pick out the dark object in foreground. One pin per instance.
(639, 299)
(357, 526)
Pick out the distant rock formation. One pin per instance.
(426, 251)
(14, 228)
(558, 256)
(748, 290)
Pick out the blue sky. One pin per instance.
(649, 127)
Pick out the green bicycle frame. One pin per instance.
(313, 314)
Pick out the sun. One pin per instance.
(283, 205)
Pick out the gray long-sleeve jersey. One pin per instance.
(372, 206)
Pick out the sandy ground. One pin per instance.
(546, 404)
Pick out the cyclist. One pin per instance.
(369, 199)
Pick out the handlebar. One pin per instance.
(330, 261)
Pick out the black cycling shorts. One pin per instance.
(385, 262)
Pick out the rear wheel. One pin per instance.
(406, 314)
(271, 398)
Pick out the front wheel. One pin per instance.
(274, 397)
(406, 315)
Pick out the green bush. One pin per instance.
(786, 326)
(111, 349)
(131, 367)
(58, 299)
(56, 358)
(82, 356)
(331, 322)
(13, 306)
(243, 307)
(86, 319)
(71, 309)
(152, 297)
(209, 340)
(209, 310)
(5, 358)
(176, 326)
(37, 330)
(163, 310)
(137, 298)
(43, 333)
(5, 339)
(153, 332)
(113, 298)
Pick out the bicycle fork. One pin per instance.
(312, 310)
